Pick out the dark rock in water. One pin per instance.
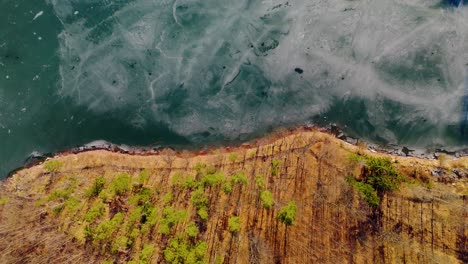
(335, 130)
(405, 150)
(299, 70)
(34, 159)
(341, 136)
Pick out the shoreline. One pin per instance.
(332, 130)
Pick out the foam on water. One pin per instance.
(226, 68)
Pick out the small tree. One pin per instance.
(380, 176)
(275, 167)
(260, 181)
(191, 230)
(267, 199)
(234, 224)
(287, 214)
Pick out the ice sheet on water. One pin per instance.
(228, 68)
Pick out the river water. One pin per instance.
(194, 72)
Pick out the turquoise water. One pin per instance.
(195, 72)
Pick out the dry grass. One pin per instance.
(332, 223)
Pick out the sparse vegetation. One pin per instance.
(62, 195)
(121, 184)
(199, 167)
(287, 214)
(53, 166)
(275, 167)
(260, 181)
(97, 187)
(4, 200)
(234, 224)
(233, 157)
(143, 177)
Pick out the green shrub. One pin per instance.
(167, 198)
(180, 251)
(184, 181)
(267, 199)
(135, 233)
(189, 183)
(212, 179)
(121, 184)
(287, 214)
(164, 228)
(72, 204)
(381, 177)
(366, 191)
(120, 244)
(234, 224)
(53, 165)
(106, 228)
(275, 167)
(144, 196)
(239, 178)
(199, 198)
(151, 215)
(203, 213)
(191, 230)
(260, 181)
(134, 217)
(88, 233)
(146, 254)
(97, 210)
(170, 217)
(97, 187)
(227, 187)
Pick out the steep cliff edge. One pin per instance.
(291, 200)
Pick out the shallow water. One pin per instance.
(194, 72)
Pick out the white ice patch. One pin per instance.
(229, 67)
